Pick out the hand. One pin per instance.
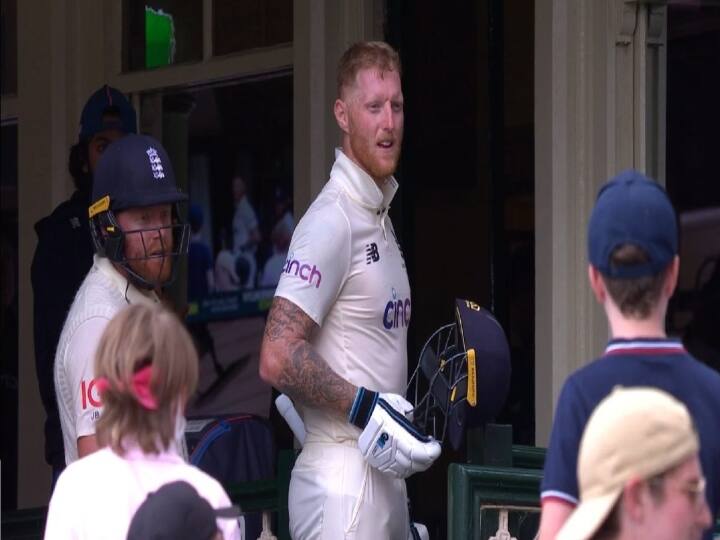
(389, 441)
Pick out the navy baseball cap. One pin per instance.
(134, 171)
(107, 100)
(177, 511)
(632, 209)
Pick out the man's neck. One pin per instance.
(622, 327)
(378, 182)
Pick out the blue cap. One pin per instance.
(632, 209)
(106, 100)
(135, 171)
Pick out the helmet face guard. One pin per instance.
(463, 375)
(109, 240)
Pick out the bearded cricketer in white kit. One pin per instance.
(336, 335)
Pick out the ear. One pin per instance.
(341, 115)
(596, 284)
(671, 278)
(633, 499)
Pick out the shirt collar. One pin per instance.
(645, 346)
(360, 186)
(130, 292)
(133, 452)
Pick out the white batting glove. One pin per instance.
(389, 441)
(400, 404)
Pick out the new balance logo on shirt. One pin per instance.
(371, 253)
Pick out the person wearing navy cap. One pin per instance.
(138, 235)
(64, 236)
(633, 271)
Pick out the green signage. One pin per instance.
(159, 38)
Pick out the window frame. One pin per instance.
(208, 70)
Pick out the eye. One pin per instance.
(101, 147)
(374, 106)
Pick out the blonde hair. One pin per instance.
(364, 55)
(139, 336)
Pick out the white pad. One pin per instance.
(288, 411)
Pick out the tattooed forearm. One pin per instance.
(287, 321)
(308, 379)
(304, 375)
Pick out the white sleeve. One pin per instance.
(318, 261)
(80, 371)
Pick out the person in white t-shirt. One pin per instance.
(136, 230)
(335, 338)
(145, 369)
(246, 234)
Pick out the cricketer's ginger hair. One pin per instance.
(365, 55)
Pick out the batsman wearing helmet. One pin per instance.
(137, 234)
(335, 339)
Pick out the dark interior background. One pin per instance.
(693, 180)
(465, 208)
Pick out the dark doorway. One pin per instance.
(693, 181)
(465, 214)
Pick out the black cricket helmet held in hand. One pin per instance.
(463, 375)
(135, 172)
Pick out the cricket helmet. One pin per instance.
(463, 375)
(136, 172)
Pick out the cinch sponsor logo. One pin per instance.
(304, 271)
(397, 312)
(89, 394)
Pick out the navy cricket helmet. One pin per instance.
(463, 375)
(135, 172)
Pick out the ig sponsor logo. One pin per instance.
(304, 271)
(397, 312)
(89, 394)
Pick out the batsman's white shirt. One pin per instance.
(103, 293)
(345, 270)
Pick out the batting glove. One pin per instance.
(389, 441)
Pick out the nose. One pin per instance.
(704, 516)
(388, 117)
(159, 235)
(165, 235)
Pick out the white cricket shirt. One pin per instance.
(346, 271)
(103, 293)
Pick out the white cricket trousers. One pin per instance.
(336, 495)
